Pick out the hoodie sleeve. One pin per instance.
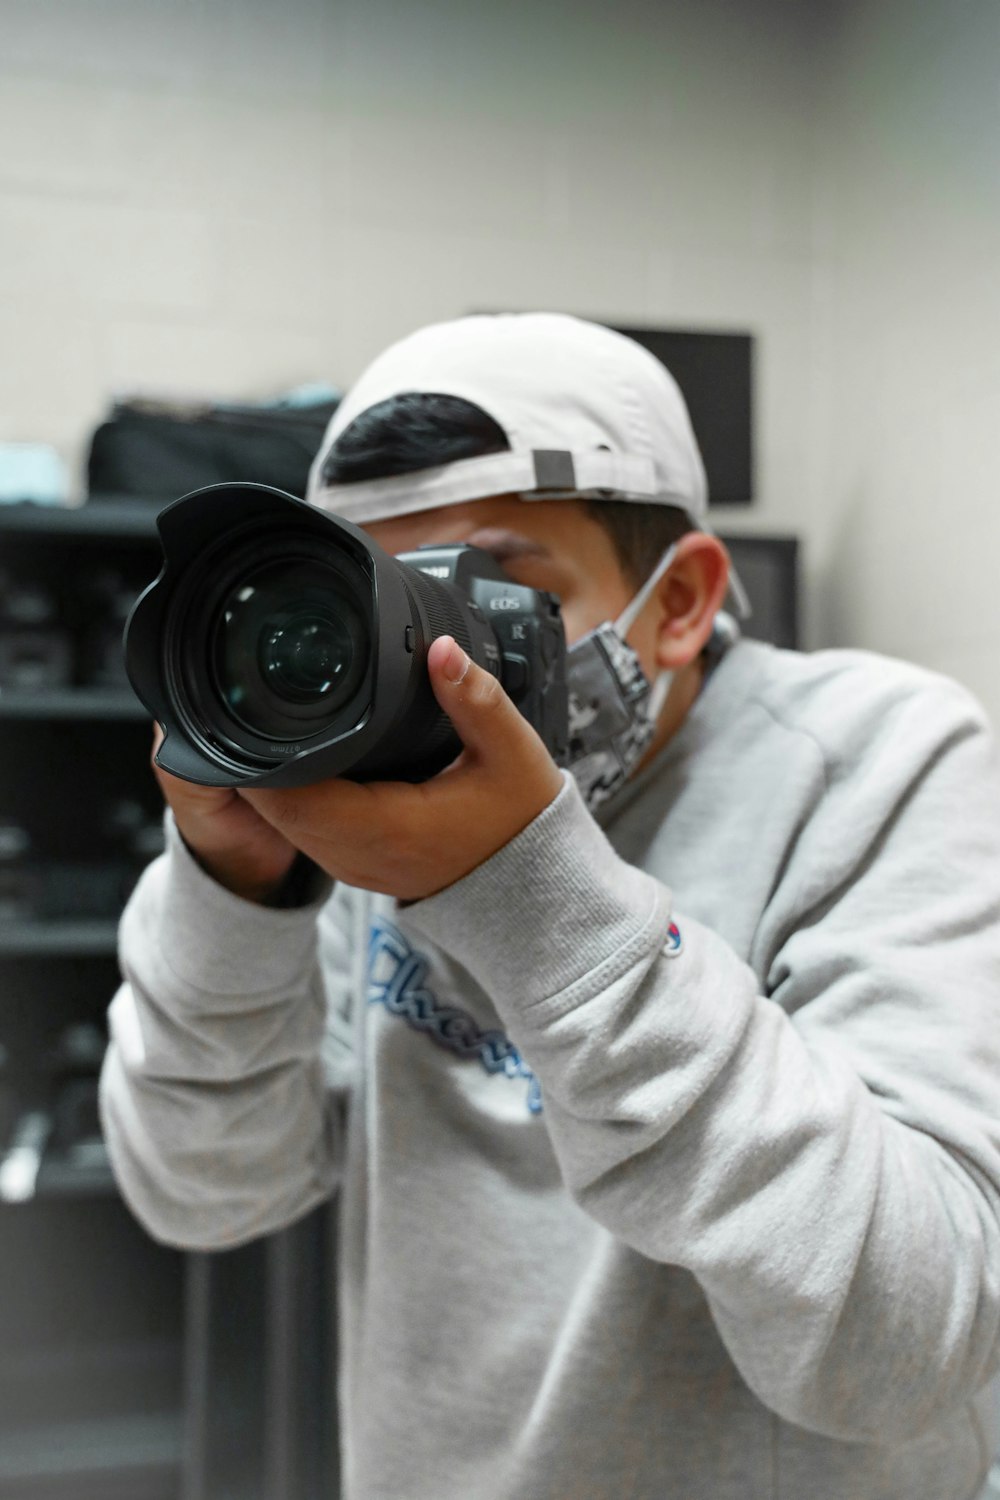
(215, 1098)
(820, 1145)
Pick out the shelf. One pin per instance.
(60, 1177)
(59, 939)
(97, 518)
(70, 703)
(80, 1171)
(60, 1180)
(93, 1345)
(135, 1455)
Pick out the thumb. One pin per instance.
(483, 715)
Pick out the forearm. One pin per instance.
(851, 1261)
(213, 1099)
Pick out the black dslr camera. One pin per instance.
(281, 646)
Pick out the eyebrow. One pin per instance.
(506, 545)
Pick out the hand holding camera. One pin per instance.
(283, 649)
(228, 837)
(404, 840)
(410, 841)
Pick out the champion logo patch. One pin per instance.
(675, 943)
(397, 979)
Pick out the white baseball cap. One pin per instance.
(586, 411)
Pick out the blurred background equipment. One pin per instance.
(36, 647)
(105, 596)
(159, 450)
(128, 1371)
(715, 372)
(32, 471)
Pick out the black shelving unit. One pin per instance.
(127, 1369)
(92, 1316)
(87, 703)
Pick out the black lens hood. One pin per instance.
(199, 533)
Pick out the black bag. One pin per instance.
(156, 451)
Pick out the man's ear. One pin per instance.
(690, 596)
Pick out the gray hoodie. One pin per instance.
(669, 1153)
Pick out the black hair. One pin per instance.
(422, 429)
(414, 430)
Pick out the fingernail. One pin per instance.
(457, 663)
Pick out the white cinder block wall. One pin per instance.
(906, 538)
(231, 196)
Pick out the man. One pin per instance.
(665, 1122)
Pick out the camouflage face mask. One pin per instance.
(613, 707)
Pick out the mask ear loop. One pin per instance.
(632, 611)
(658, 693)
(740, 598)
(661, 686)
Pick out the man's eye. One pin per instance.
(534, 573)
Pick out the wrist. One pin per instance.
(236, 874)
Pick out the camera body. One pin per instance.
(281, 646)
(530, 647)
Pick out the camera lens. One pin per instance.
(290, 647)
(303, 654)
(282, 646)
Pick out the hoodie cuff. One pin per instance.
(553, 907)
(218, 942)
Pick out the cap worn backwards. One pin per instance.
(586, 411)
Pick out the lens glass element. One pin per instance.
(291, 647)
(303, 653)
